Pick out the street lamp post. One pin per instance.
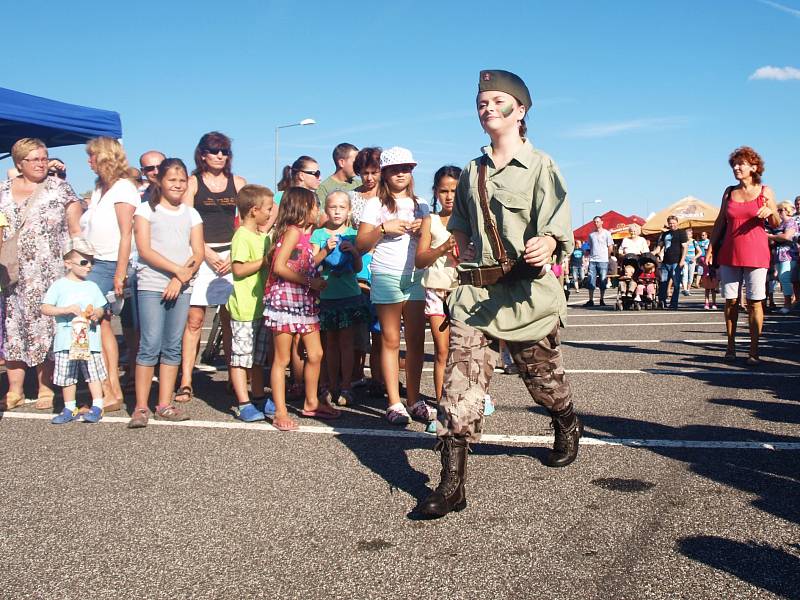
(279, 127)
(583, 209)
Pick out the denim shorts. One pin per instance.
(102, 274)
(161, 326)
(393, 289)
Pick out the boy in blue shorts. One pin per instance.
(77, 305)
(251, 340)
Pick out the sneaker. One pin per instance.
(397, 414)
(249, 413)
(713, 307)
(269, 408)
(420, 411)
(589, 303)
(345, 398)
(602, 302)
(94, 415)
(488, 406)
(65, 416)
(170, 412)
(511, 369)
(685, 292)
(431, 427)
(139, 419)
(706, 306)
(784, 311)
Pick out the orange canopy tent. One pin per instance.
(615, 222)
(690, 211)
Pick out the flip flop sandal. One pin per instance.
(11, 401)
(320, 413)
(186, 392)
(44, 401)
(289, 425)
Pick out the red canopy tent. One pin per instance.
(616, 223)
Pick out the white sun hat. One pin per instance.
(396, 156)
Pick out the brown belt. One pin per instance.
(484, 276)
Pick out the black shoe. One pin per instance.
(602, 303)
(568, 430)
(450, 494)
(589, 303)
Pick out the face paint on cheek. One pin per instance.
(506, 110)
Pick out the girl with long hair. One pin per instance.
(291, 304)
(169, 238)
(390, 224)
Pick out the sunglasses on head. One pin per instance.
(225, 151)
(150, 168)
(312, 173)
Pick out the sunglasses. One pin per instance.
(225, 151)
(84, 262)
(150, 168)
(312, 173)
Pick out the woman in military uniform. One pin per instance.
(511, 219)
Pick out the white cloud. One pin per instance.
(599, 130)
(784, 8)
(776, 73)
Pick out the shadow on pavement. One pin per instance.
(770, 568)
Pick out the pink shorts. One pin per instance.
(434, 302)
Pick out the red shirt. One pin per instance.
(745, 243)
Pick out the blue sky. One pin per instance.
(639, 103)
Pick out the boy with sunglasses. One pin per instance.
(77, 305)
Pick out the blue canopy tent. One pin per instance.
(55, 123)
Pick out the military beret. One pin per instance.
(505, 81)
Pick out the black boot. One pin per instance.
(449, 495)
(568, 429)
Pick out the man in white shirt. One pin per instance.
(601, 246)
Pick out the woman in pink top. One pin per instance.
(741, 247)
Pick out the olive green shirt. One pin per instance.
(528, 198)
(331, 185)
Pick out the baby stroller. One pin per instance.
(646, 283)
(626, 283)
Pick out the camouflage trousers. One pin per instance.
(470, 364)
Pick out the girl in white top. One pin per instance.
(108, 225)
(435, 252)
(169, 236)
(390, 224)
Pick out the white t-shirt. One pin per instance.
(633, 246)
(394, 254)
(102, 228)
(441, 275)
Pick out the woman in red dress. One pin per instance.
(742, 248)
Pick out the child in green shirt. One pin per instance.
(250, 341)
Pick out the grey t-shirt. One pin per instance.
(170, 233)
(599, 241)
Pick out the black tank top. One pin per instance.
(218, 211)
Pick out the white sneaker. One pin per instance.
(397, 414)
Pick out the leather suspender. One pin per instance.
(498, 249)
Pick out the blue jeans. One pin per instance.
(669, 272)
(597, 270)
(577, 274)
(161, 326)
(102, 274)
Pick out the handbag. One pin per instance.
(715, 248)
(9, 256)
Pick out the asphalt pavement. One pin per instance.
(687, 485)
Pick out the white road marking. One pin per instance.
(740, 340)
(534, 440)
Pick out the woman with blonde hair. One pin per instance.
(108, 225)
(42, 212)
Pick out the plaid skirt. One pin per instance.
(291, 308)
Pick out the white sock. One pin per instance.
(399, 406)
(71, 406)
(97, 402)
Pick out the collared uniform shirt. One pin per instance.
(527, 198)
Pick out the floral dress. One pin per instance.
(29, 334)
(291, 307)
